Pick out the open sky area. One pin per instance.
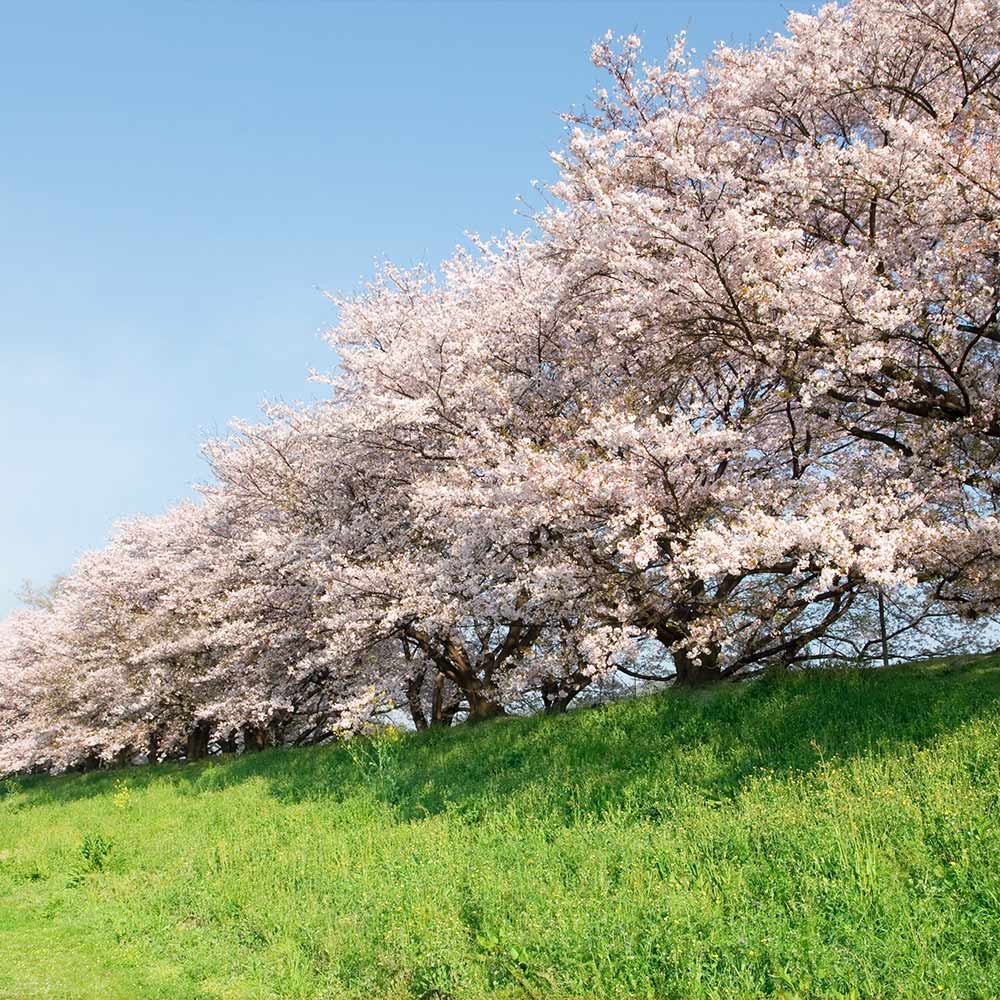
(181, 181)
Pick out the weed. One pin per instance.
(94, 853)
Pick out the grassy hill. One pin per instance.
(831, 835)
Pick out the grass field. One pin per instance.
(831, 835)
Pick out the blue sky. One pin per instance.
(181, 180)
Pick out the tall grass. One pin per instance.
(830, 835)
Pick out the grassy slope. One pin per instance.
(822, 836)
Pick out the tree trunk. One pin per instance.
(197, 740)
(276, 730)
(558, 693)
(437, 699)
(700, 674)
(689, 673)
(255, 738)
(443, 712)
(555, 699)
(414, 687)
(484, 704)
(881, 628)
(453, 663)
(153, 746)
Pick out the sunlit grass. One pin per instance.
(832, 835)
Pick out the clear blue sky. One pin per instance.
(179, 180)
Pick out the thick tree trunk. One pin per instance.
(198, 739)
(558, 693)
(276, 730)
(557, 706)
(556, 699)
(473, 679)
(255, 738)
(689, 673)
(700, 674)
(484, 703)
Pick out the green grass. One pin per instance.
(831, 835)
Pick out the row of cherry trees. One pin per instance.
(743, 380)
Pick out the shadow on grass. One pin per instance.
(630, 756)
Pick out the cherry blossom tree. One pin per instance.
(821, 208)
(395, 479)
